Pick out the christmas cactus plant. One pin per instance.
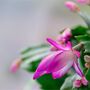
(65, 63)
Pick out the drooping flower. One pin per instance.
(59, 62)
(84, 1)
(72, 6)
(15, 65)
(79, 82)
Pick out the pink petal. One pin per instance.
(65, 36)
(77, 53)
(53, 49)
(55, 44)
(77, 83)
(43, 66)
(84, 1)
(63, 71)
(15, 65)
(69, 45)
(72, 6)
(61, 60)
(78, 70)
(84, 81)
(59, 38)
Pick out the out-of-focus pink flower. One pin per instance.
(59, 62)
(84, 1)
(15, 65)
(72, 6)
(77, 83)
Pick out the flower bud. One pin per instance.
(87, 65)
(72, 6)
(77, 83)
(87, 58)
(15, 65)
(65, 36)
(84, 1)
(84, 81)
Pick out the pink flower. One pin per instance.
(72, 6)
(84, 1)
(78, 83)
(59, 62)
(84, 81)
(65, 36)
(15, 65)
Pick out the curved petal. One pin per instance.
(69, 45)
(84, 81)
(77, 53)
(77, 69)
(55, 44)
(61, 60)
(62, 71)
(42, 68)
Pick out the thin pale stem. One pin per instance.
(78, 46)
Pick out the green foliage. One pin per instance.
(77, 33)
(85, 39)
(81, 60)
(88, 74)
(32, 63)
(81, 34)
(48, 83)
(85, 17)
(68, 84)
(32, 56)
(79, 30)
(31, 52)
(29, 49)
(45, 82)
(32, 66)
(87, 46)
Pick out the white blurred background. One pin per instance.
(24, 23)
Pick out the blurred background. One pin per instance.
(24, 23)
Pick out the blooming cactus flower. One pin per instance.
(15, 65)
(59, 62)
(84, 1)
(72, 6)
